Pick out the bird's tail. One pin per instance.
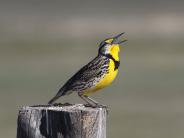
(59, 94)
(53, 99)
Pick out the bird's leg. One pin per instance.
(90, 99)
(85, 99)
(91, 102)
(95, 102)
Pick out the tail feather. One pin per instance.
(53, 99)
(59, 94)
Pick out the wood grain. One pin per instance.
(72, 121)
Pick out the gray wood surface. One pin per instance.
(72, 121)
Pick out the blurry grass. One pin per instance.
(146, 100)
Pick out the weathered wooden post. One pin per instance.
(61, 121)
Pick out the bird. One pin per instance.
(97, 74)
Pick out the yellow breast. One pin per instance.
(108, 78)
(111, 75)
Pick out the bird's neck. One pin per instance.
(114, 52)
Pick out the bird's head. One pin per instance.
(110, 46)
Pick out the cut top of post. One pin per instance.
(70, 108)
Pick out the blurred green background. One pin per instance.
(43, 43)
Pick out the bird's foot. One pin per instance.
(89, 105)
(96, 105)
(101, 106)
(60, 104)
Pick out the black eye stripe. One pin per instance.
(103, 44)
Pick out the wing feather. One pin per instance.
(86, 75)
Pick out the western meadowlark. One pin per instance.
(97, 74)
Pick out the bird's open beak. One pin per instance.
(116, 39)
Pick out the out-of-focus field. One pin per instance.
(146, 100)
(39, 53)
